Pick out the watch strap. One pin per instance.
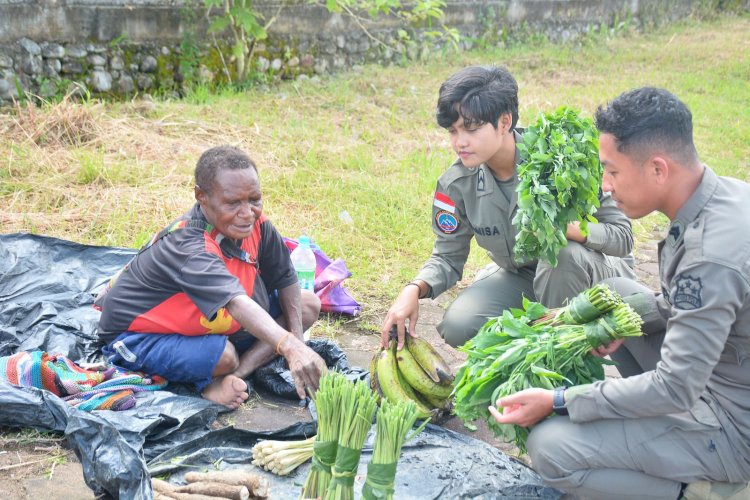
(558, 401)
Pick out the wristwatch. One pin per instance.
(558, 400)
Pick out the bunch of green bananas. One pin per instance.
(417, 372)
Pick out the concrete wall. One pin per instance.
(119, 47)
(160, 20)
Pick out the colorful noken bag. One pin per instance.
(111, 389)
(329, 274)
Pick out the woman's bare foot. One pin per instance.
(229, 390)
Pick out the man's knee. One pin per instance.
(228, 362)
(545, 447)
(310, 308)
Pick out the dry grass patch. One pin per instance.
(61, 125)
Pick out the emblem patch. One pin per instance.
(446, 222)
(688, 294)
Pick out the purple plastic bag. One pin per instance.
(328, 278)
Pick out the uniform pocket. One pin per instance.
(733, 354)
(704, 416)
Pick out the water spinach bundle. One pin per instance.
(559, 182)
(535, 347)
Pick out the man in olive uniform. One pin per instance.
(677, 425)
(476, 198)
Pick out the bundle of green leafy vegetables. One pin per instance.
(559, 182)
(537, 347)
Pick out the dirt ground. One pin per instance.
(35, 465)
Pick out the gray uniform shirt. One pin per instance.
(469, 204)
(704, 267)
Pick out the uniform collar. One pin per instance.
(694, 205)
(485, 182)
(700, 197)
(518, 138)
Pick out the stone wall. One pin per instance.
(117, 47)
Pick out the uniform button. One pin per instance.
(695, 226)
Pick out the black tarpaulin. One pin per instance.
(47, 287)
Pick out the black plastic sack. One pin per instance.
(47, 288)
(276, 378)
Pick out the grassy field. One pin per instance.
(364, 143)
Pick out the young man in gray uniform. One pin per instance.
(476, 198)
(677, 425)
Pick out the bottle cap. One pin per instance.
(304, 241)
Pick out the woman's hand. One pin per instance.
(405, 307)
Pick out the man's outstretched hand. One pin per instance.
(524, 408)
(305, 364)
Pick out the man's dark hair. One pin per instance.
(220, 158)
(478, 94)
(647, 119)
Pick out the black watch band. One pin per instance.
(558, 401)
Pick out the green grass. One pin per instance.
(362, 142)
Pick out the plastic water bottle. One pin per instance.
(303, 260)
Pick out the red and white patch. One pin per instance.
(443, 202)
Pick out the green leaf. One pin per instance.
(219, 24)
(559, 181)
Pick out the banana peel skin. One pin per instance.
(417, 372)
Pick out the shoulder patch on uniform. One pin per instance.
(688, 294)
(444, 202)
(446, 221)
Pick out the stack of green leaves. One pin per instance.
(327, 401)
(394, 421)
(356, 409)
(559, 182)
(510, 354)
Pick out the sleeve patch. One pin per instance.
(688, 294)
(446, 221)
(443, 202)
